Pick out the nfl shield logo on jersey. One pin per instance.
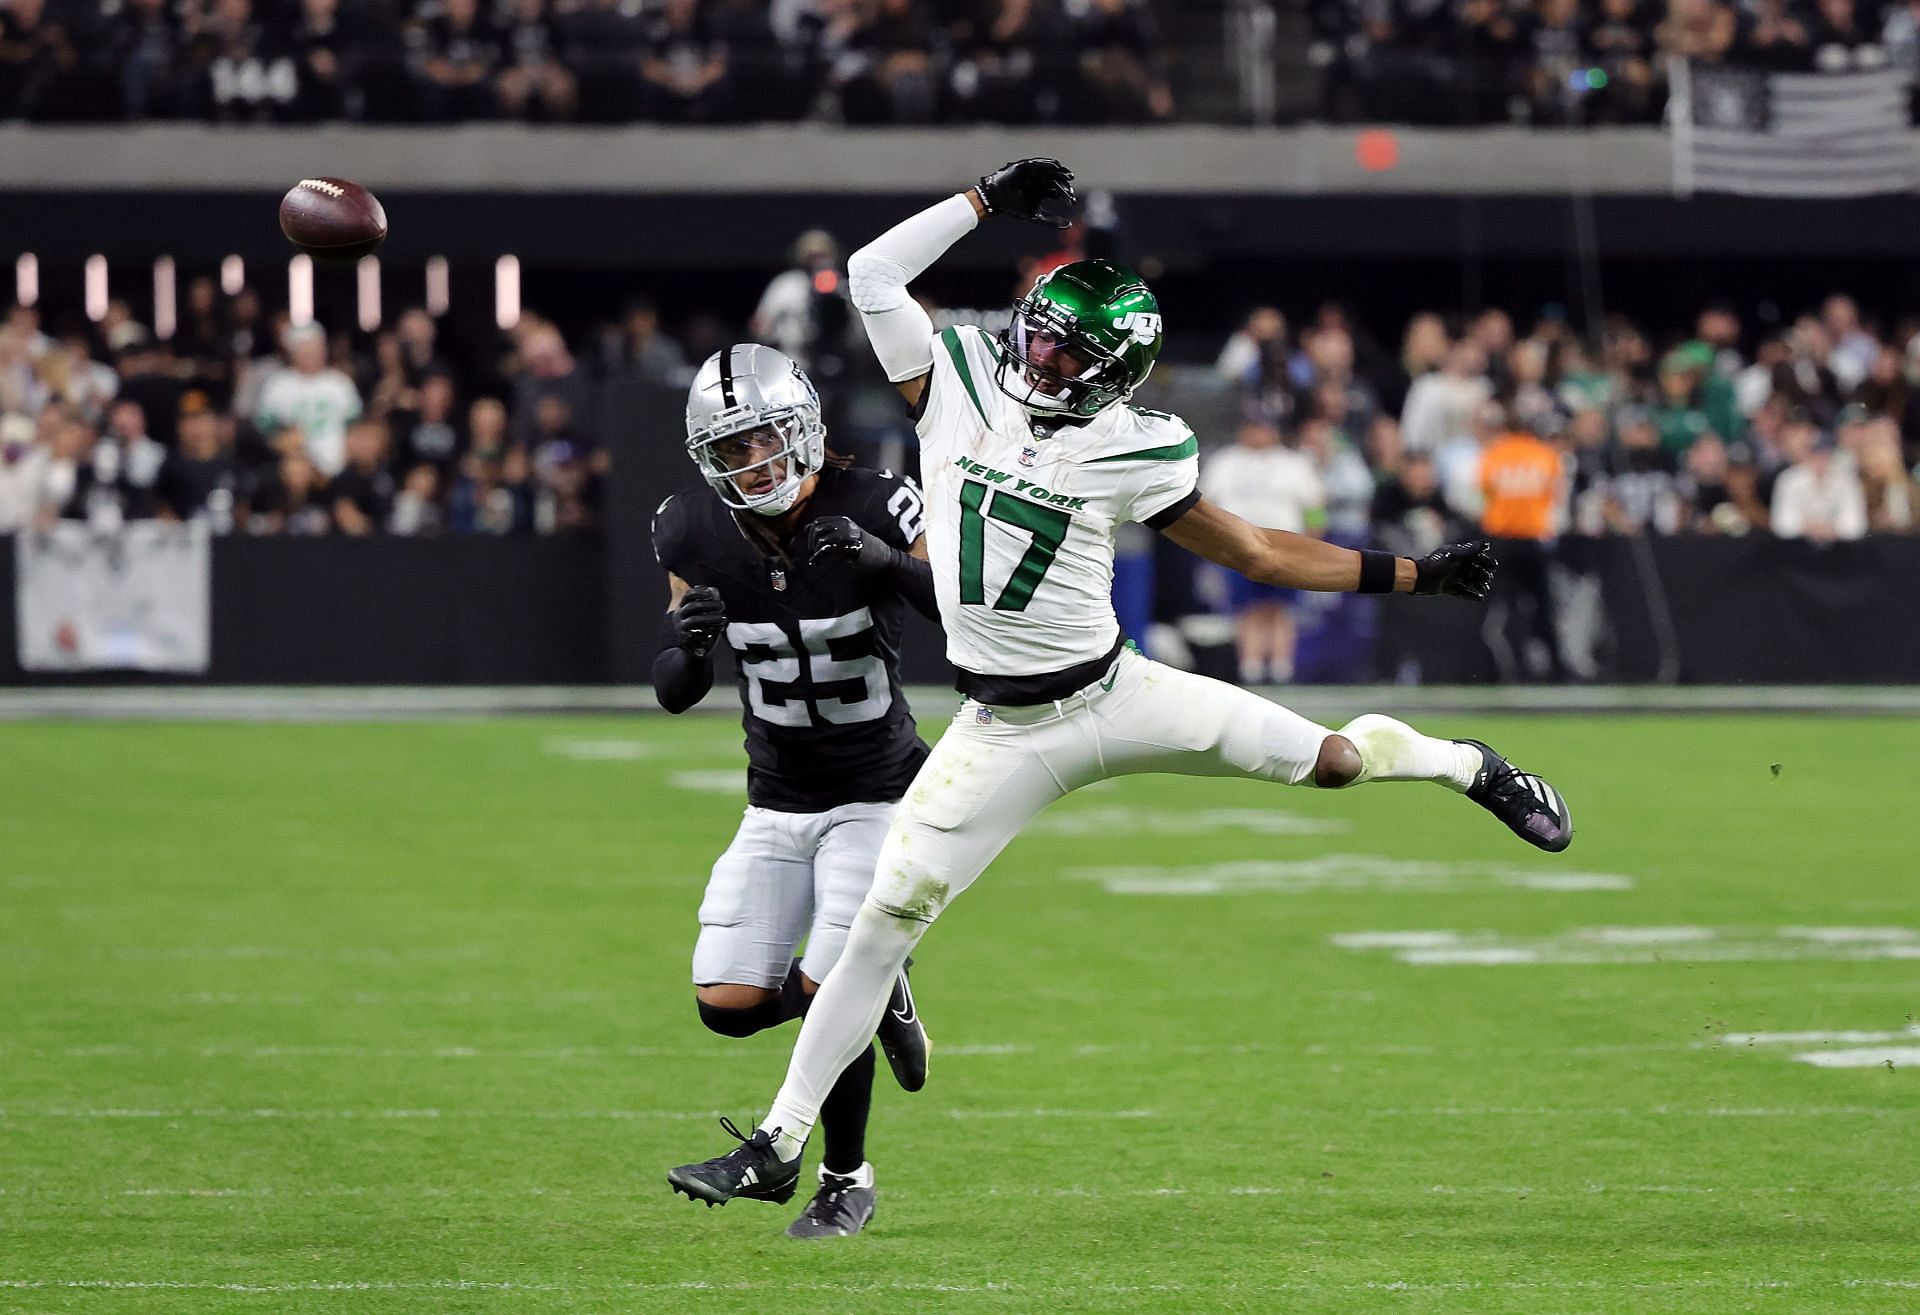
(778, 576)
(1029, 455)
(983, 715)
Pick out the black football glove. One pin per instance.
(832, 537)
(1037, 190)
(697, 624)
(1459, 570)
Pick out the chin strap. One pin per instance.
(1046, 423)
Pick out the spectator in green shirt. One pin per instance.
(1694, 400)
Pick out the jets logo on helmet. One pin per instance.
(1081, 341)
(754, 429)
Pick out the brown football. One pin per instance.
(332, 219)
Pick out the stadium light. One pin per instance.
(233, 275)
(368, 272)
(300, 290)
(26, 279)
(506, 291)
(96, 288)
(437, 293)
(165, 312)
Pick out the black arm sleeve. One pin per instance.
(680, 679)
(912, 579)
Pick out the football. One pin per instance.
(332, 219)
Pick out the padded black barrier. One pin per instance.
(474, 610)
(586, 608)
(1753, 610)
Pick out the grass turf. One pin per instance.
(391, 1018)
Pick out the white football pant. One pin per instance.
(996, 768)
(786, 877)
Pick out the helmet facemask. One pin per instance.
(757, 460)
(1050, 369)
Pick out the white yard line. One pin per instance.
(600, 751)
(1699, 1284)
(543, 1054)
(432, 1113)
(1639, 945)
(1337, 873)
(948, 1050)
(1888, 1057)
(279, 999)
(198, 953)
(1043, 1112)
(1321, 1188)
(1600, 1111)
(727, 781)
(314, 1285)
(268, 1113)
(1898, 988)
(1908, 1033)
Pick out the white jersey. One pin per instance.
(322, 405)
(1020, 529)
(1275, 488)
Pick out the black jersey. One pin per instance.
(817, 650)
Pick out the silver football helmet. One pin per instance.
(740, 391)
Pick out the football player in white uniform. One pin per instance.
(1031, 458)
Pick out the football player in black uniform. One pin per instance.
(804, 564)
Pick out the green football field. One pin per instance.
(394, 1018)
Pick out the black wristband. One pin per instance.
(1377, 571)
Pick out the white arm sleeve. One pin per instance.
(877, 278)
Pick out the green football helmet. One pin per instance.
(1081, 341)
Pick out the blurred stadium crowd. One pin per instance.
(607, 61)
(1580, 61)
(1548, 440)
(263, 428)
(900, 61)
(1808, 428)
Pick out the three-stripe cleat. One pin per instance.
(752, 1170)
(1531, 808)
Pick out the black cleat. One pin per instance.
(841, 1207)
(750, 1170)
(1532, 809)
(903, 1037)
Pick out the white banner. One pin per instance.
(132, 598)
